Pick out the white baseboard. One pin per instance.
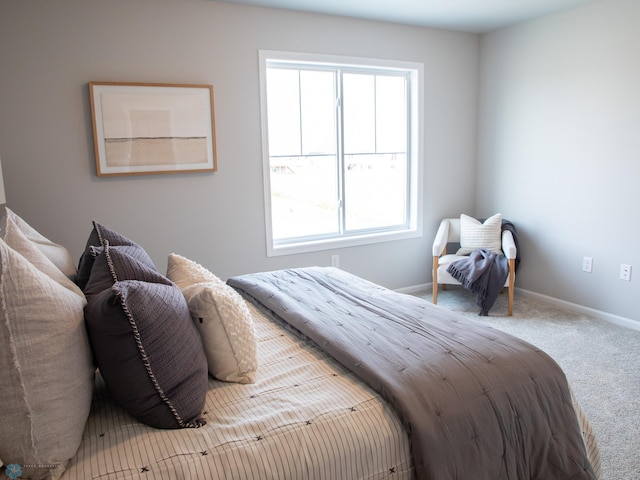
(574, 307)
(415, 288)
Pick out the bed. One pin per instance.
(181, 375)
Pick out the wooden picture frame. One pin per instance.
(149, 128)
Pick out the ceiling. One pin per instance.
(477, 16)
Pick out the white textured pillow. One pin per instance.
(184, 272)
(46, 368)
(222, 318)
(226, 327)
(476, 235)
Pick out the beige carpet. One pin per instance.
(601, 361)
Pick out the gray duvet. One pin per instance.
(477, 403)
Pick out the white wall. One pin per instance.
(49, 51)
(560, 150)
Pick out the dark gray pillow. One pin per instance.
(119, 262)
(149, 352)
(143, 339)
(97, 238)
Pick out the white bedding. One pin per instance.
(305, 417)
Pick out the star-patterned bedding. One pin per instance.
(304, 417)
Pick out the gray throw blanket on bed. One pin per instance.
(483, 273)
(477, 403)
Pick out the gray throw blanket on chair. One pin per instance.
(484, 273)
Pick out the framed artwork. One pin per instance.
(147, 128)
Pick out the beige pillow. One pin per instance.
(222, 318)
(58, 254)
(226, 328)
(46, 369)
(16, 239)
(184, 272)
(476, 235)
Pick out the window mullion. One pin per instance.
(409, 151)
(300, 130)
(375, 114)
(340, 152)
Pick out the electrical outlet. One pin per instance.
(335, 261)
(625, 272)
(587, 264)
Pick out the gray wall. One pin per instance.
(49, 51)
(559, 150)
(538, 121)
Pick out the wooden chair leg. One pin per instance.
(512, 283)
(435, 280)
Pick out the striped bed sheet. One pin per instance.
(306, 416)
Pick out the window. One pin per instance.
(342, 150)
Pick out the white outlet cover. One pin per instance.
(625, 272)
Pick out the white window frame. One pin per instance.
(415, 159)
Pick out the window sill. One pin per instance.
(343, 242)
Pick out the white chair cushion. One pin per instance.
(443, 264)
(445, 277)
